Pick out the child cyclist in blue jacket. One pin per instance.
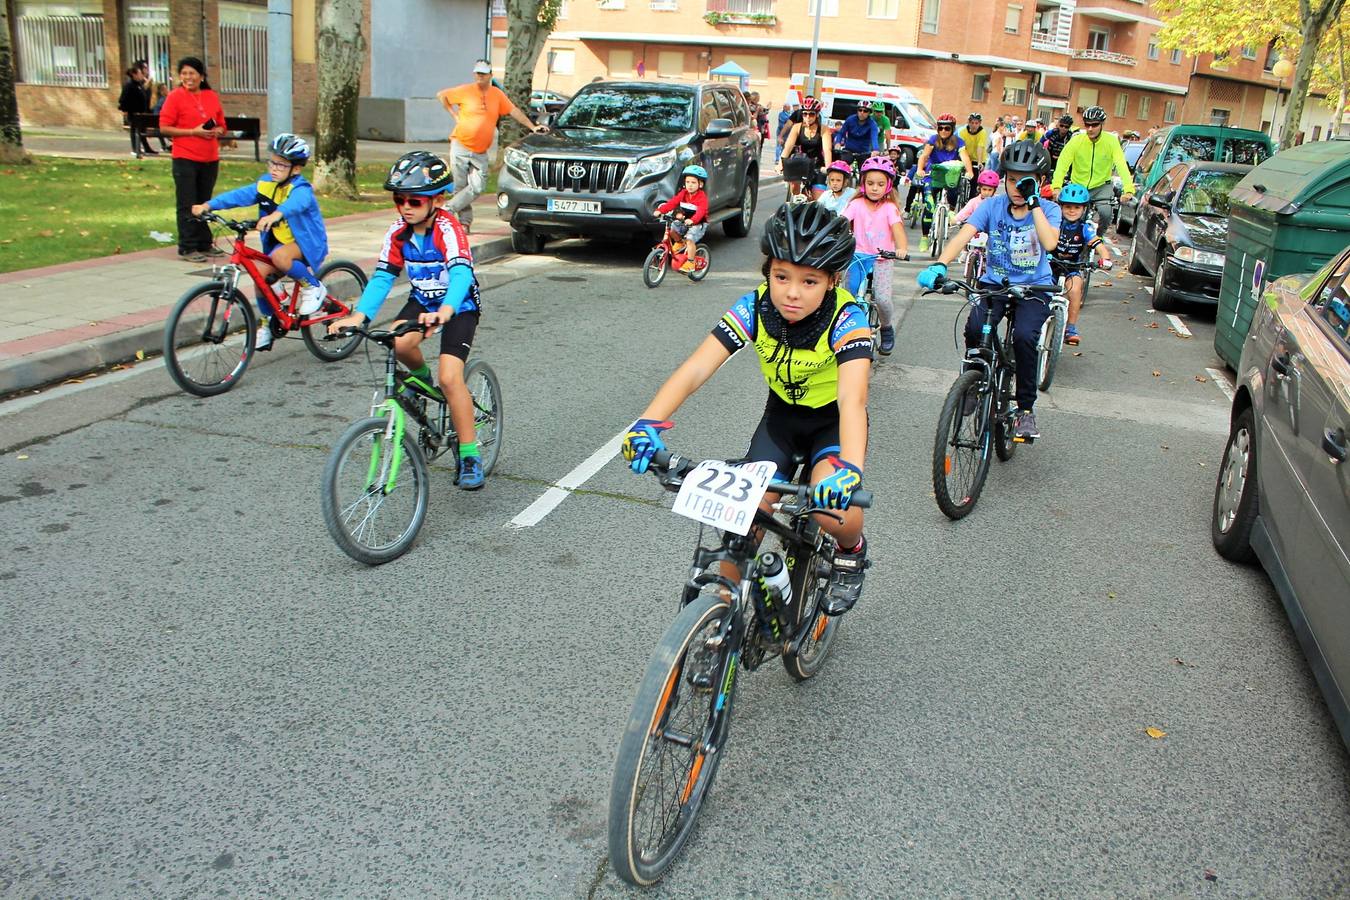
(432, 245)
(292, 228)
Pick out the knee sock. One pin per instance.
(422, 373)
(300, 272)
(467, 449)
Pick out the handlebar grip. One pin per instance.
(861, 499)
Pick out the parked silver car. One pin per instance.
(1283, 494)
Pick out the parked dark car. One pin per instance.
(1181, 230)
(1283, 492)
(616, 151)
(547, 103)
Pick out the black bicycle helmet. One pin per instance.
(808, 234)
(1093, 115)
(1024, 158)
(291, 147)
(419, 172)
(1066, 119)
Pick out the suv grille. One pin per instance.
(579, 175)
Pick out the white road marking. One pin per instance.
(1114, 248)
(1222, 382)
(549, 500)
(1149, 288)
(1179, 325)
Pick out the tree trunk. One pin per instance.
(11, 135)
(528, 24)
(1340, 94)
(341, 51)
(1314, 26)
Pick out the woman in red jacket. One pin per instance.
(193, 117)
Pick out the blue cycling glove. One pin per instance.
(1030, 191)
(929, 277)
(834, 490)
(642, 441)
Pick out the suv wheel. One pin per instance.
(526, 240)
(738, 226)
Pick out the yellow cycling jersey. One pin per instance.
(270, 196)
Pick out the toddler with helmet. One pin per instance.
(1077, 240)
(986, 186)
(878, 225)
(837, 193)
(431, 243)
(690, 205)
(292, 229)
(814, 349)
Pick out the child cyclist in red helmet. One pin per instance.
(814, 349)
(432, 245)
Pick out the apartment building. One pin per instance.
(1007, 57)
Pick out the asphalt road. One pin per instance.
(202, 695)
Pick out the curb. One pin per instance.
(40, 369)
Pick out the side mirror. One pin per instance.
(719, 128)
(1162, 201)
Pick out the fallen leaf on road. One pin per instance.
(1202, 379)
(1078, 353)
(1155, 733)
(1165, 447)
(1181, 662)
(1132, 318)
(1203, 465)
(1152, 325)
(1110, 595)
(73, 381)
(1157, 374)
(140, 354)
(1211, 875)
(22, 456)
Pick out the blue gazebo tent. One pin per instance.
(730, 70)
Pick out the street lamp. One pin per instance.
(1282, 69)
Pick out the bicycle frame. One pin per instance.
(398, 407)
(245, 260)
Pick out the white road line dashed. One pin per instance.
(1149, 289)
(549, 500)
(1179, 325)
(1222, 382)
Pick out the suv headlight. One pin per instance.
(518, 161)
(659, 164)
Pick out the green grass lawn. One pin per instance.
(61, 210)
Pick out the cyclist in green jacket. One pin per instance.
(1092, 154)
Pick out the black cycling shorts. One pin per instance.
(456, 335)
(787, 432)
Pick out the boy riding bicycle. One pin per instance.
(292, 229)
(814, 350)
(690, 205)
(1077, 240)
(431, 243)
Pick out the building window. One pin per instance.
(499, 8)
(1046, 20)
(881, 73)
(883, 9)
(1014, 91)
(1249, 51)
(1012, 20)
(827, 8)
(1086, 97)
(828, 67)
(620, 63)
(242, 68)
(61, 44)
(148, 39)
(1170, 111)
(1153, 51)
(1145, 104)
(670, 64)
(1176, 57)
(757, 66)
(1122, 104)
(1272, 56)
(979, 90)
(1099, 38)
(562, 61)
(932, 9)
(1218, 116)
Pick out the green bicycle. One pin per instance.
(376, 484)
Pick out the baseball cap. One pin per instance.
(482, 67)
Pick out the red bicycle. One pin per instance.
(209, 336)
(663, 256)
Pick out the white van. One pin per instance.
(911, 122)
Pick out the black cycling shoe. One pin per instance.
(846, 580)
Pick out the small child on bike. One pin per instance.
(1077, 239)
(292, 229)
(431, 243)
(986, 186)
(690, 205)
(878, 225)
(837, 192)
(814, 349)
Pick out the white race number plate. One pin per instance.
(564, 204)
(723, 495)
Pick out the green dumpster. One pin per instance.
(1290, 214)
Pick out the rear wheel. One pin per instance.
(961, 446)
(1235, 494)
(486, 392)
(1135, 264)
(654, 269)
(1004, 445)
(704, 256)
(208, 339)
(1049, 346)
(738, 226)
(373, 503)
(671, 746)
(343, 281)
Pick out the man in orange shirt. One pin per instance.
(476, 107)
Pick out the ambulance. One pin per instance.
(911, 122)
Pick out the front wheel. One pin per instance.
(342, 281)
(672, 744)
(654, 269)
(702, 259)
(972, 271)
(1049, 346)
(375, 490)
(961, 446)
(208, 339)
(486, 392)
(810, 581)
(1235, 494)
(1163, 300)
(939, 231)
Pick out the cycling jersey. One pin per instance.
(807, 377)
(943, 154)
(1092, 162)
(1075, 240)
(1054, 142)
(439, 264)
(858, 135)
(977, 144)
(301, 222)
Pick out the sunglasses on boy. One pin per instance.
(411, 201)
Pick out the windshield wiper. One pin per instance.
(587, 127)
(636, 128)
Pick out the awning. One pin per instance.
(729, 68)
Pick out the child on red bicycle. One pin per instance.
(690, 205)
(292, 229)
(431, 243)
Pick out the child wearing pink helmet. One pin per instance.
(837, 193)
(878, 224)
(986, 186)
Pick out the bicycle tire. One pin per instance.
(915, 212)
(704, 254)
(972, 270)
(654, 268)
(344, 281)
(486, 391)
(210, 336)
(339, 511)
(957, 504)
(659, 704)
(809, 585)
(1049, 347)
(874, 325)
(1004, 445)
(939, 231)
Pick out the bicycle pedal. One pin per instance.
(1024, 440)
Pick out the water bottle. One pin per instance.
(774, 595)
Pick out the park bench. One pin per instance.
(240, 128)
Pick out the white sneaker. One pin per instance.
(311, 298)
(262, 340)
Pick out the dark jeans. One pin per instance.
(1030, 315)
(193, 183)
(139, 142)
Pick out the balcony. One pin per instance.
(741, 12)
(1121, 59)
(1044, 40)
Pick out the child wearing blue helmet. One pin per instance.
(690, 205)
(1077, 239)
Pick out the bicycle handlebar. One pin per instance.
(975, 292)
(239, 226)
(379, 336)
(666, 463)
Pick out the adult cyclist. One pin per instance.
(942, 147)
(1057, 137)
(806, 152)
(1023, 230)
(1092, 154)
(859, 136)
(976, 138)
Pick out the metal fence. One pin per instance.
(61, 50)
(243, 59)
(742, 7)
